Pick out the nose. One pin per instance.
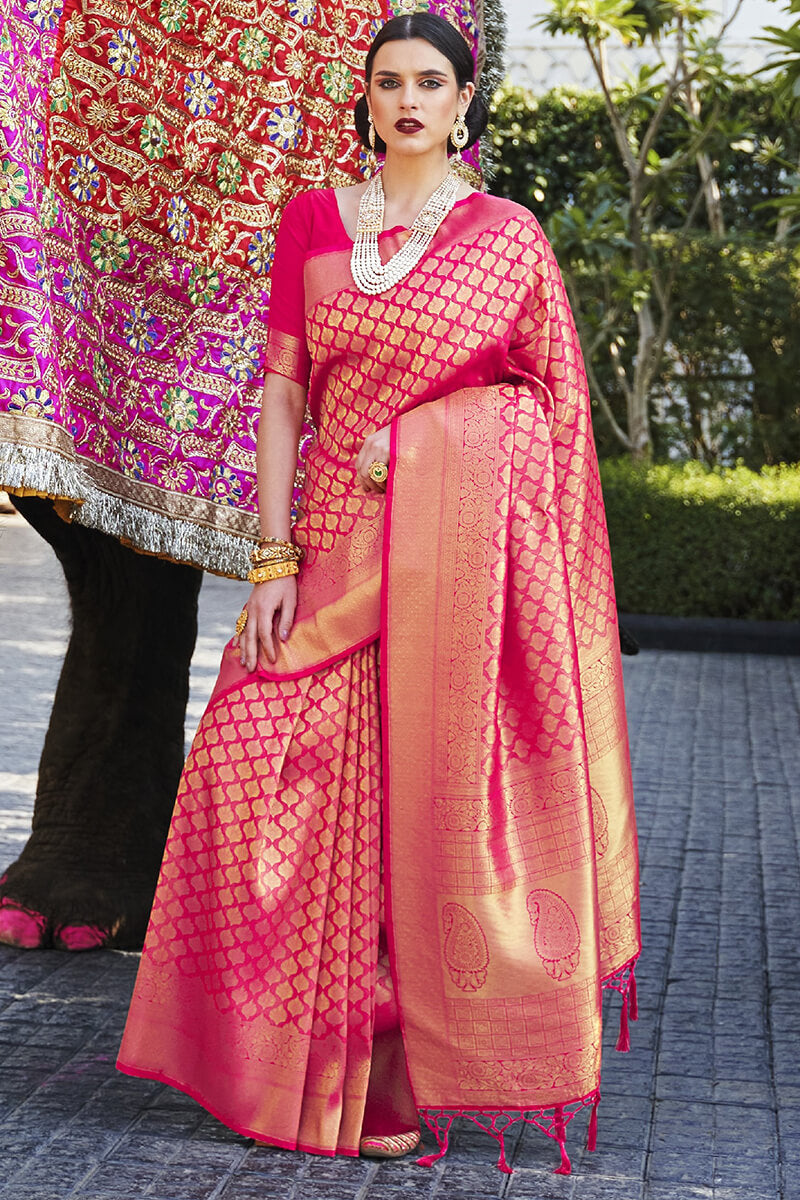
(408, 96)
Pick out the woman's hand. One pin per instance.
(270, 614)
(375, 448)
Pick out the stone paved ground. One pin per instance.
(707, 1104)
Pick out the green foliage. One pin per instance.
(689, 541)
(557, 149)
(727, 386)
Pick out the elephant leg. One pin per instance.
(114, 747)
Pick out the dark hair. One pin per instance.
(449, 42)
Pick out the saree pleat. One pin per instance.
(256, 988)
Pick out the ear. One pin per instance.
(465, 97)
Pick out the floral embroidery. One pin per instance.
(35, 138)
(285, 127)
(135, 199)
(49, 208)
(174, 476)
(200, 94)
(60, 94)
(130, 460)
(203, 285)
(45, 13)
(229, 173)
(212, 33)
(108, 250)
(73, 288)
(178, 219)
(84, 177)
(179, 409)
(13, 184)
(40, 272)
(303, 11)
(100, 373)
(296, 63)
(172, 14)
(139, 330)
(253, 49)
(217, 238)
(337, 79)
(153, 137)
(74, 28)
(261, 251)
(123, 53)
(402, 8)
(240, 358)
(34, 402)
(102, 114)
(225, 485)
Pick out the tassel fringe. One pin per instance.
(623, 981)
(591, 1140)
(552, 1122)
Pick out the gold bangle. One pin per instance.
(265, 554)
(278, 570)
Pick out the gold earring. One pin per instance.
(371, 165)
(459, 135)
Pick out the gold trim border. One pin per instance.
(146, 518)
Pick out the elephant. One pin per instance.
(114, 748)
(146, 170)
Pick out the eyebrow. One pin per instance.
(394, 74)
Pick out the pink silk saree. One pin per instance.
(478, 808)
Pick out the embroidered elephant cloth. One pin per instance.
(149, 150)
(507, 838)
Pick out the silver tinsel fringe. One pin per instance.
(493, 22)
(47, 473)
(168, 537)
(43, 471)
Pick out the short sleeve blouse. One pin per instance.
(310, 223)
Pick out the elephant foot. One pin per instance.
(36, 915)
(81, 937)
(27, 929)
(21, 927)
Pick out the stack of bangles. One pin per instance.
(273, 559)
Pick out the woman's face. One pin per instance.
(414, 96)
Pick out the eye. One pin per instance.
(387, 83)
(431, 83)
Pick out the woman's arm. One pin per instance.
(271, 605)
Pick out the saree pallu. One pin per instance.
(495, 806)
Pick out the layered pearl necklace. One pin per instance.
(370, 274)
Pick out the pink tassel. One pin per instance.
(561, 1134)
(442, 1139)
(591, 1141)
(566, 1165)
(502, 1162)
(634, 1004)
(624, 1039)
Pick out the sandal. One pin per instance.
(393, 1145)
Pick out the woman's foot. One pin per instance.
(393, 1145)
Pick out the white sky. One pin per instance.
(754, 15)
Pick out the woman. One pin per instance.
(397, 893)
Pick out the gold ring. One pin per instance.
(241, 621)
(378, 471)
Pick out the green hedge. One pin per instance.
(687, 541)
